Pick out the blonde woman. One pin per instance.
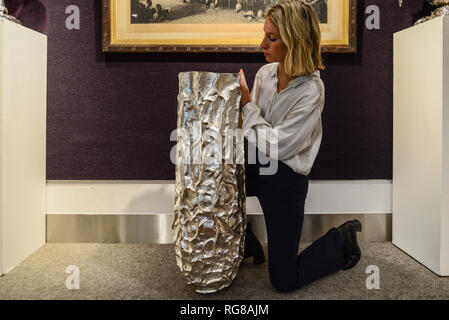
(286, 101)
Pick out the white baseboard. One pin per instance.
(157, 197)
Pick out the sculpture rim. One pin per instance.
(7, 17)
(438, 12)
(438, 3)
(4, 14)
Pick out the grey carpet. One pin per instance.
(141, 271)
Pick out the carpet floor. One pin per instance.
(143, 271)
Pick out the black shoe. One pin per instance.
(348, 232)
(253, 248)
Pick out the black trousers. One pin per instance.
(282, 197)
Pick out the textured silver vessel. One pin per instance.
(4, 13)
(209, 213)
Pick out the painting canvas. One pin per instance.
(208, 11)
(212, 25)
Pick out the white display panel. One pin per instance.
(23, 87)
(421, 143)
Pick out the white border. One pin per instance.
(157, 197)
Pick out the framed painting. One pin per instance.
(213, 25)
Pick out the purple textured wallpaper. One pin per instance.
(109, 117)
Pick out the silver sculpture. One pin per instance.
(442, 10)
(4, 13)
(209, 213)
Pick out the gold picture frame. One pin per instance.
(339, 34)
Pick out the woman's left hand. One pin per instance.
(245, 96)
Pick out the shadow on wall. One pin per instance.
(31, 13)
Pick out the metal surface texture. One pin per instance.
(157, 228)
(210, 202)
(4, 13)
(438, 3)
(442, 10)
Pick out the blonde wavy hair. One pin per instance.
(300, 31)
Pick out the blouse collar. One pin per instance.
(298, 80)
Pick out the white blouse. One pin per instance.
(294, 113)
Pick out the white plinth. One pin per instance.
(421, 143)
(23, 83)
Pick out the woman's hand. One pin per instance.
(245, 97)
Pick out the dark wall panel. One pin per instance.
(110, 116)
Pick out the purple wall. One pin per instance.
(110, 116)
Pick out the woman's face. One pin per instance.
(273, 47)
